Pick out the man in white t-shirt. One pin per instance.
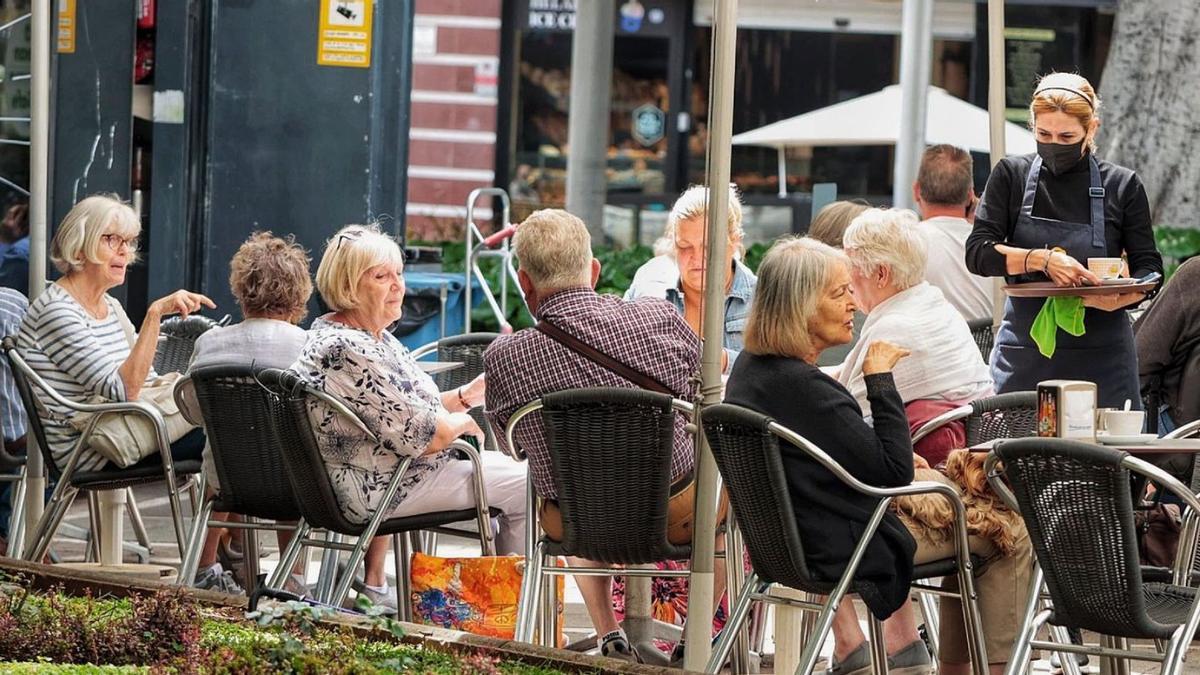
(945, 195)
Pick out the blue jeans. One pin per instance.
(1165, 424)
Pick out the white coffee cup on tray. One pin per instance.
(1106, 268)
(1124, 422)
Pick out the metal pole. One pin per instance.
(698, 632)
(782, 171)
(587, 116)
(996, 105)
(39, 201)
(916, 52)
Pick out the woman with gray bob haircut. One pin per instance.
(945, 369)
(351, 354)
(79, 338)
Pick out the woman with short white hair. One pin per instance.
(887, 263)
(351, 354)
(79, 338)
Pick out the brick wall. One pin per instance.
(453, 128)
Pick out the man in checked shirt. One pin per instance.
(558, 273)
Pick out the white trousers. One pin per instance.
(449, 489)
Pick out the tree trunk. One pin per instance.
(1151, 95)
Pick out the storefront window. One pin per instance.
(637, 145)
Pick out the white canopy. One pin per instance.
(874, 119)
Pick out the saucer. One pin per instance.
(1121, 281)
(1133, 439)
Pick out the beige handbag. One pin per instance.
(127, 438)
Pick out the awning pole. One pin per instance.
(916, 54)
(782, 171)
(996, 106)
(698, 632)
(39, 201)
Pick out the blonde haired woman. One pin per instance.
(351, 354)
(1041, 217)
(78, 337)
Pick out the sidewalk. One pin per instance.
(156, 514)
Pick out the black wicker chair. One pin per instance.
(610, 452)
(981, 331)
(468, 350)
(1078, 508)
(1011, 415)
(305, 469)
(745, 445)
(70, 481)
(177, 339)
(235, 411)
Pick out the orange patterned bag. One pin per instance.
(476, 595)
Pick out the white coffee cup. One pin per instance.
(1124, 422)
(1106, 268)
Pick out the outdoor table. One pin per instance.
(1159, 446)
(435, 367)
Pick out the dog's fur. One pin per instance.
(987, 516)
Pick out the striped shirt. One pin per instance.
(13, 306)
(79, 356)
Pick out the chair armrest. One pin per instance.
(1186, 431)
(959, 413)
(510, 443)
(476, 464)
(343, 409)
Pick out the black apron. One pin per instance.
(1105, 353)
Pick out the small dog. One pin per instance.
(987, 516)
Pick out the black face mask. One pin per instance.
(1058, 157)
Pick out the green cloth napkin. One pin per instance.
(1065, 312)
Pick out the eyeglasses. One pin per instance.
(352, 235)
(115, 241)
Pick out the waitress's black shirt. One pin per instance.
(1126, 212)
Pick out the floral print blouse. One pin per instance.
(398, 401)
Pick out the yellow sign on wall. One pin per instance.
(345, 35)
(66, 26)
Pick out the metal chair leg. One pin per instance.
(288, 556)
(16, 521)
(737, 616)
(329, 566)
(531, 587)
(135, 518)
(403, 557)
(929, 612)
(250, 556)
(191, 560)
(878, 647)
(56, 509)
(549, 608)
(1032, 620)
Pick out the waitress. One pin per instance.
(1041, 217)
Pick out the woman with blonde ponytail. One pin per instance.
(1042, 216)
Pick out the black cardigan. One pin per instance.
(830, 515)
(1126, 213)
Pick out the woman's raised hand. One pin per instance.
(180, 302)
(882, 357)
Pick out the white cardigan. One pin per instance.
(944, 364)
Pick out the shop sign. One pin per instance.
(552, 15)
(633, 16)
(66, 27)
(648, 124)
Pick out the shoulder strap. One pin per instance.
(600, 358)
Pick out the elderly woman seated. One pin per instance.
(350, 354)
(270, 281)
(944, 368)
(802, 306)
(78, 337)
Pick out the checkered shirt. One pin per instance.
(646, 334)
